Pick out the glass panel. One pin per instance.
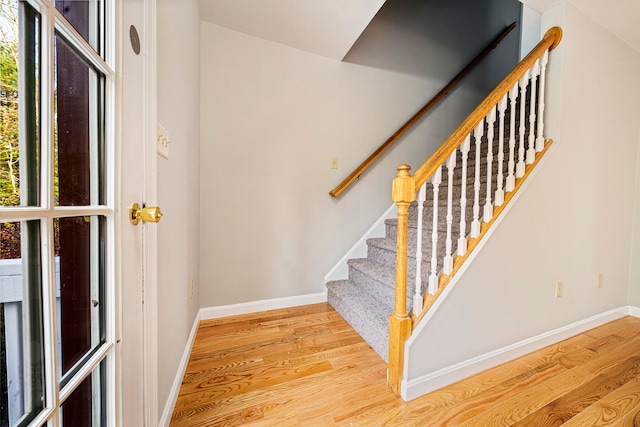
(79, 131)
(86, 16)
(80, 266)
(21, 342)
(19, 104)
(85, 407)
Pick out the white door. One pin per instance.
(76, 108)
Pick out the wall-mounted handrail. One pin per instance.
(439, 96)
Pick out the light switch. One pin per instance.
(162, 144)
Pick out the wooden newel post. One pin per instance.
(403, 193)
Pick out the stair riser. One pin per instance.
(412, 233)
(383, 292)
(388, 258)
(376, 335)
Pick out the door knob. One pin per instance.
(146, 214)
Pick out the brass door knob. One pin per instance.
(146, 214)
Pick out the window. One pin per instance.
(56, 215)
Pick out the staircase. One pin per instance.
(460, 191)
(366, 298)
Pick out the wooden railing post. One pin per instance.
(403, 193)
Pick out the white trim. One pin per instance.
(438, 379)
(340, 271)
(443, 377)
(264, 305)
(177, 381)
(150, 230)
(116, 193)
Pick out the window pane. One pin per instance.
(80, 266)
(86, 405)
(79, 131)
(21, 342)
(86, 16)
(19, 104)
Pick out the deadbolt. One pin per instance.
(146, 214)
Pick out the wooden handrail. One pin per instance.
(443, 92)
(399, 318)
(550, 40)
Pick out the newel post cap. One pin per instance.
(404, 186)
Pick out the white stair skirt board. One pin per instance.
(443, 377)
(170, 404)
(264, 305)
(340, 271)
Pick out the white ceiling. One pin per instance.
(330, 27)
(325, 27)
(621, 17)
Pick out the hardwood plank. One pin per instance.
(305, 366)
(632, 419)
(613, 406)
(264, 376)
(574, 402)
(457, 414)
(612, 358)
(512, 409)
(613, 327)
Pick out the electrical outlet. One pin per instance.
(334, 163)
(191, 289)
(558, 289)
(599, 281)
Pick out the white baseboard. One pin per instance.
(634, 311)
(177, 382)
(443, 377)
(264, 305)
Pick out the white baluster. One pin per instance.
(523, 99)
(475, 225)
(488, 205)
(511, 179)
(502, 108)
(543, 71)
(447, 267)
(417, 297)
(462, 240)
(436, 179)
(531, 150)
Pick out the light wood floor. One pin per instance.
(305, 366)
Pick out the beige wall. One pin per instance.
(573, 221)
(272, 117)
(178, 99)
(634, 271)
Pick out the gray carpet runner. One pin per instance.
(366, 298)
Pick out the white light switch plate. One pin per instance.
(162, 142)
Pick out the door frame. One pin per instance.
(148, 264)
